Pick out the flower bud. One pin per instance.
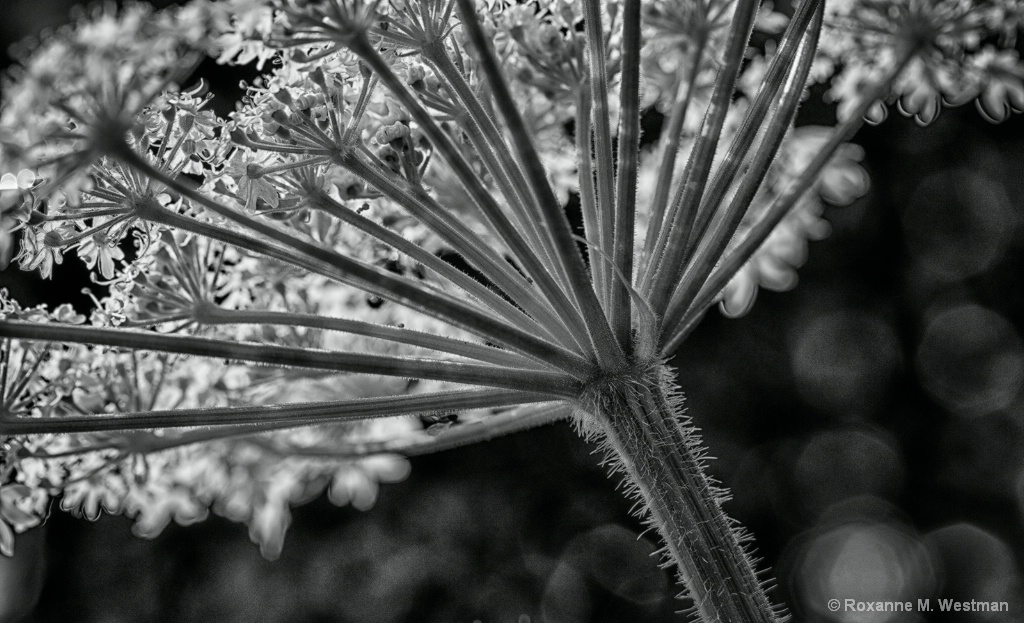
(201, 89)
(390, 134)
(283, 133)
(238, 137)
(271, 127)
(253, 171)
(284, 97)
(53, 239)
(416, 77)
(390, 157)
(318, 78)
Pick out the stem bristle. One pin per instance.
(638, 419)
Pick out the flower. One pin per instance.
(935, 44)
(357, 483)
(773, 265)
(80, 92)
(546, 51)
(41, 249)
(240, 28)
(329, 153)
(182, 275)
(98, 251)
(81, 98)
(247, 171)
(21, 508)
(87, 498)
(1002, 90)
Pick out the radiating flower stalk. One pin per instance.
(276, 286)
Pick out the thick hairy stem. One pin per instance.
(659, 453)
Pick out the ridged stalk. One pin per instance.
(659, 452)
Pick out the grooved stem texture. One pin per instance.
(660, 454)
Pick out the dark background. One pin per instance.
(870, 424)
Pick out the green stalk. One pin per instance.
(261, 418)
(556, 384)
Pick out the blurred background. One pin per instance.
(870, 424)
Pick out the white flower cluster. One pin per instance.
(163, 476)
(367, 155)
(950, 52)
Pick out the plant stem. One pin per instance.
(668, 147)
(595, 324)
(557, 385)
(588, 192)
(511, 313)
(344, 269)
(668, 258)
(607, 350)
(661, 457)
(675, 331)
(422, 206)
(605, 193)
(260, 418)
(727, 221)
(210, 314)
(495, 153)
(625, 182)
(775, 79)
(523, 418)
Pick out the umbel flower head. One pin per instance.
(287, 320)
(87, 83)
(953, 52)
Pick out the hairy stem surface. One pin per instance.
(659, 453)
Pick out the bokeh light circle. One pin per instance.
(837, 465)
(845, 361)
(976, 564)
(958, 223)
(863, 561)
(971, 359)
